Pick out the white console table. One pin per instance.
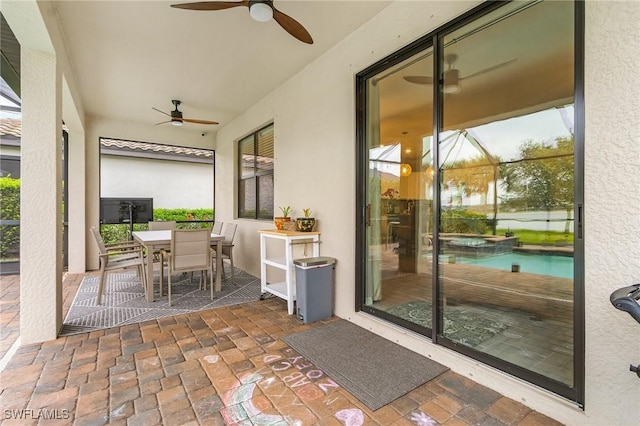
(284, 260)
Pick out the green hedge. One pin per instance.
(9, 210)
(462, 221)
(120, 232)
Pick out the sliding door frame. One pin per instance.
(435, 39)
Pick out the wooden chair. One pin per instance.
(190, 251)
(229, 232)
(118, 256)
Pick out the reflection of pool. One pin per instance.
(468, 242)
(543, 264)
(477, 246)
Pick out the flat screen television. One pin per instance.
(126, 210)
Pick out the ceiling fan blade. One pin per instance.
(162, 112)
(417, 79)
(191, 120)
(495, 67)
(292, 26)
(162, 122)
(211, 5)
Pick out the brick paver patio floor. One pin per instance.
(222, 366)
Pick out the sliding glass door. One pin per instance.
(471, 190)
(506, 158)
(400, 192)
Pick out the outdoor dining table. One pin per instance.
(153, 241)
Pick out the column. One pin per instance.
(41, 198)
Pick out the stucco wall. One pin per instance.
(612, 201)
(171, 184)
(314, 115)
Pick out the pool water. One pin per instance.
(542, 264)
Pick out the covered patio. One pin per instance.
(189, 368)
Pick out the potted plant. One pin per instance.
(280, 220)
(306, 223)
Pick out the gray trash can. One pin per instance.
(314, 288)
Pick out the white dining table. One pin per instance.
(153, 241)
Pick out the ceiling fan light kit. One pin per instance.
(451, 78)
(176, 118)
(260, 11)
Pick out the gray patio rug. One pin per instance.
(375, 370)
(123, 301)
(464, 324)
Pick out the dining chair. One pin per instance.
(229, 232)
(190, 251)
(115, 256)
(161, 225)
(217, 227)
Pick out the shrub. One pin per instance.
(9, 210)
(462, 221)
(120, 232)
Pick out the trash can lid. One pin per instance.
(315, 261)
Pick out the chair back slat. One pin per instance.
(162, 225)
(190, 249)
(229, 232)
(99, 241)
(217, 227)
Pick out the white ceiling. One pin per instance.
(130, 56)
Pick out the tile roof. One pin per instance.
(157, 148)
(11, 127)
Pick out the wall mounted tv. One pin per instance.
(126, 210)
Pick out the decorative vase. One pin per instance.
(305, 224)
(279, 222)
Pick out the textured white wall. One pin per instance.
(171, 184)
(612, 207)
(315, 167)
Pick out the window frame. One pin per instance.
(255, 176)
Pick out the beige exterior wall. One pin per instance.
(314, 116)
(171, 184)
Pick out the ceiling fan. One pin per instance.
(452, 76)
(260, 10)
(178, 120)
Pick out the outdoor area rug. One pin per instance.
(374, 369)
(464, 324)
(124, 302)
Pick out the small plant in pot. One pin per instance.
(280, 220)
(306, 223)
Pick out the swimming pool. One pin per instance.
(543, 264)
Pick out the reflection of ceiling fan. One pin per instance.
(178, 120)
(260, 10)
(452, 75)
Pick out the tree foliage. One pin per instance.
(543, 179)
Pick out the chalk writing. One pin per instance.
(350, 416)
(422, 419)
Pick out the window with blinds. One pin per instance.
(255, 177)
